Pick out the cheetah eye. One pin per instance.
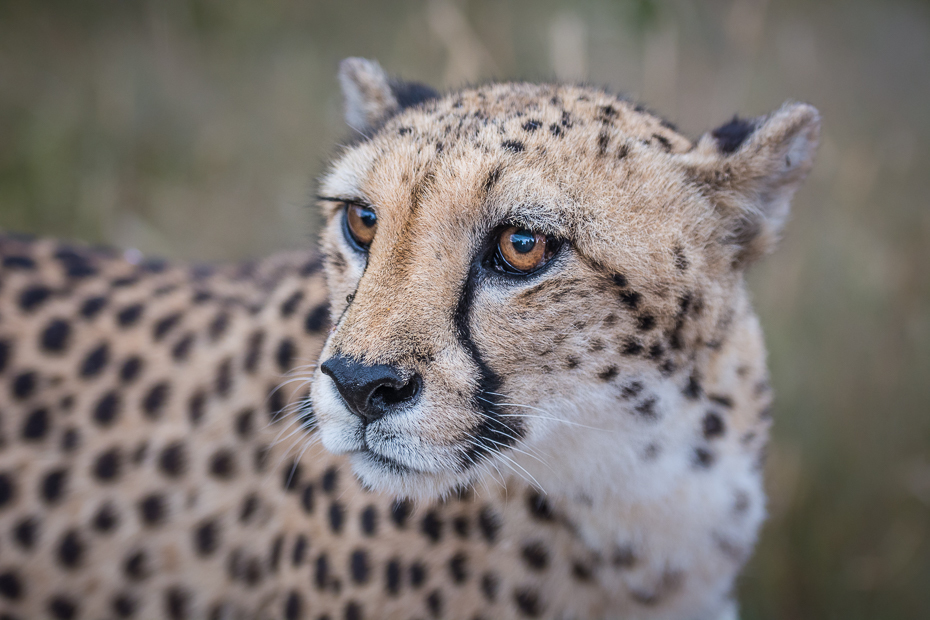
(521, 251)
(361, 224)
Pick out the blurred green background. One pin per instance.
(194, 130)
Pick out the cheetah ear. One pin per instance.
(371, 97)
(751, 169)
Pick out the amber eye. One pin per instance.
(361, 224)
(524, 251)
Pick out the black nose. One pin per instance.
(371, 391)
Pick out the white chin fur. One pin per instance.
(411, 484)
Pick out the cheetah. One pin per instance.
(535, 387)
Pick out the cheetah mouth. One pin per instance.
(385, 462)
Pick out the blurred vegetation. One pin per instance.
(194, 130)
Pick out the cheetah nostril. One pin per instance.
(371, 391)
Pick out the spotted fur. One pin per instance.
(588, 442)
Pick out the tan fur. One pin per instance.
(631, 370)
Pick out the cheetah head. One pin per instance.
(528, 277)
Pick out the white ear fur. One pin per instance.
(751, 170)
(366, 89)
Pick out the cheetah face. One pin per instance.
(515, 265)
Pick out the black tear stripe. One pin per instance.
(493, 433)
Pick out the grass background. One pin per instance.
(194, 130)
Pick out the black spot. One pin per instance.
(207, 538)
(317, 319)
(70, 440)
(306, 499)
(514, 146)
(154, 401)
(293, 606)
(461, 525)
(528, 602)
(603, 140)
(723, 401)
(632, 390)
(623, 151)
(36, 425)
(489, 523)
(608, 373)
(369, 520)
(330, 479)
(458, 567)
(336, 517)
(124, 605)
(107, 409)
(431, 526)
(11, 586)
(353, 611)
(53, 485)
(19, 262)
(70, 550)
(106, 518)
(712, 425)
(299, 551)
(730, 136)
(645, 322)
(108, 464)
(218, 326)
(253, 351)
(322, 572)
(182, 348)
(681, 261)
(630, 298)
(539, 506)
(703, 458)
(24, 384)
(131, 369)
(392, 577)
(55, 336)
(582, 571)
(656, 351)
(26, 532)
(434, 603)
(177, 601)
(289, 307)
(358, 566)
(223, 464)
(276, 404)
(693, 390)
(129, 315)
(165, 325)
(136, 566)
(647, 408)
(33, 297)
(224, 378)
(95, 361)
(400, 511)
(632, 347)
(196, 407)
(290, 476)
(535, 555)
(92, 306)
(173, 460)
(62, 608)
(490, 584)
(4, 354)
(417, 574)
(153, 510)
(285, 354)
(124, 281)
(7, 490)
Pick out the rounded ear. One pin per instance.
(371, 97)
(750, 169)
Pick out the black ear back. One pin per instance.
(409, 94)
(730, 136)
